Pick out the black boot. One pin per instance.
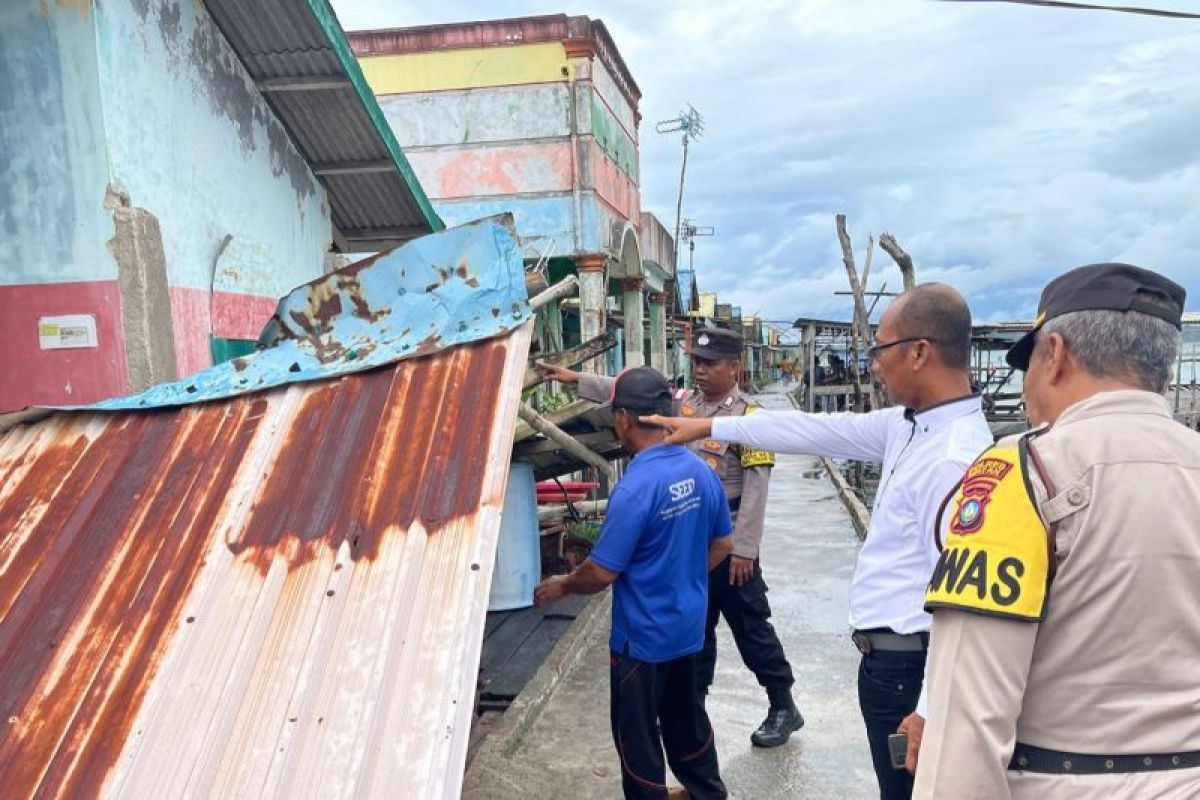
(783, 719)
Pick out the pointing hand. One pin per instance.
(681, 430)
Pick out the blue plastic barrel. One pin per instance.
(518, 552)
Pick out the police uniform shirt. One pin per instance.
(744, 471)
(923, 456)
(1065, 608)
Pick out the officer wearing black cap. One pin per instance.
(737, 590)
(1065, 628)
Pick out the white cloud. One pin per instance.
(1000, 144)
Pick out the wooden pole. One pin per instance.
(551, 431)
(861, 324)
(558, 291)
(903, 260)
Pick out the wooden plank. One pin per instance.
(509, 677)
(570, 358)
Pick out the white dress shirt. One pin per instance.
(923, 455)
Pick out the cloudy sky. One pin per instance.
(1000, 144)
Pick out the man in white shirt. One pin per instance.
(925, 443)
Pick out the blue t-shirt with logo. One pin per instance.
(661, 518)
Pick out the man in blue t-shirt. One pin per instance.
(667, 526)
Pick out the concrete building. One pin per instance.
(537, 116)
(167, 170)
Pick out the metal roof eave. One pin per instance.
(297, 54)
(336, 36)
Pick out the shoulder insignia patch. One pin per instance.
(757, 458)
(995, 548)
(688, 411)
(712, 462)
(712, 446)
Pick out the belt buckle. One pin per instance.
(862, 642)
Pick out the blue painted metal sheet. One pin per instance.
(448, 288)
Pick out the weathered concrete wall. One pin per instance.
(467, 68)
(489, 129)
(32, 376)
(132, 145)
(656, 242)
(612, 184)
(482, 171)
(192, 141)
(137, 247)
(476, 116)
(53, 170)
(53, 227)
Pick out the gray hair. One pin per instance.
(1126, 345)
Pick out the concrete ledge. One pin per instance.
(510, 730)
(859, 515)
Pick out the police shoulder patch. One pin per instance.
(757, 458)
(995, 555)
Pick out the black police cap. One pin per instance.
(642, 389)
(1097, 287)
(715, 343)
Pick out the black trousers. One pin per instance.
(889, 684)
(748, 615)
(647, 698)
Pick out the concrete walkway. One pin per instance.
(808, 555)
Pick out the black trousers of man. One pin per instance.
(748, 615)
(889, 683)
(647, 698)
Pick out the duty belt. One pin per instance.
(1028, 758)
(869, 641)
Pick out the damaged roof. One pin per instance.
(272, 593)
(298, 55)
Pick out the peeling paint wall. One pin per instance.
(143, 101)
(53, 171)
(191, 140)
(489, 129)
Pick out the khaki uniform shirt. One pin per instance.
(744, 472)
(1113, 667)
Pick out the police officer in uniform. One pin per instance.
(1065, 646)
(737, 590)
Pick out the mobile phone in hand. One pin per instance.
(898, 749)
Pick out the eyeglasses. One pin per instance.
(874, 350)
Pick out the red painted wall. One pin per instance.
(232, 316)
(32, 376)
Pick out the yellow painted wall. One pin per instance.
(541, 62)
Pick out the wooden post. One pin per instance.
(810, 359)
(558, 291)
(903, 260)
(862, 324)
(560, 437)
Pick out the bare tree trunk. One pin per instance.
(903, 260)
(862, 324)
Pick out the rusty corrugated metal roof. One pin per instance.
(274, 594)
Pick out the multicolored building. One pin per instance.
(537, 116)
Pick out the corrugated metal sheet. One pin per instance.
(332, 126)
(274, 594)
